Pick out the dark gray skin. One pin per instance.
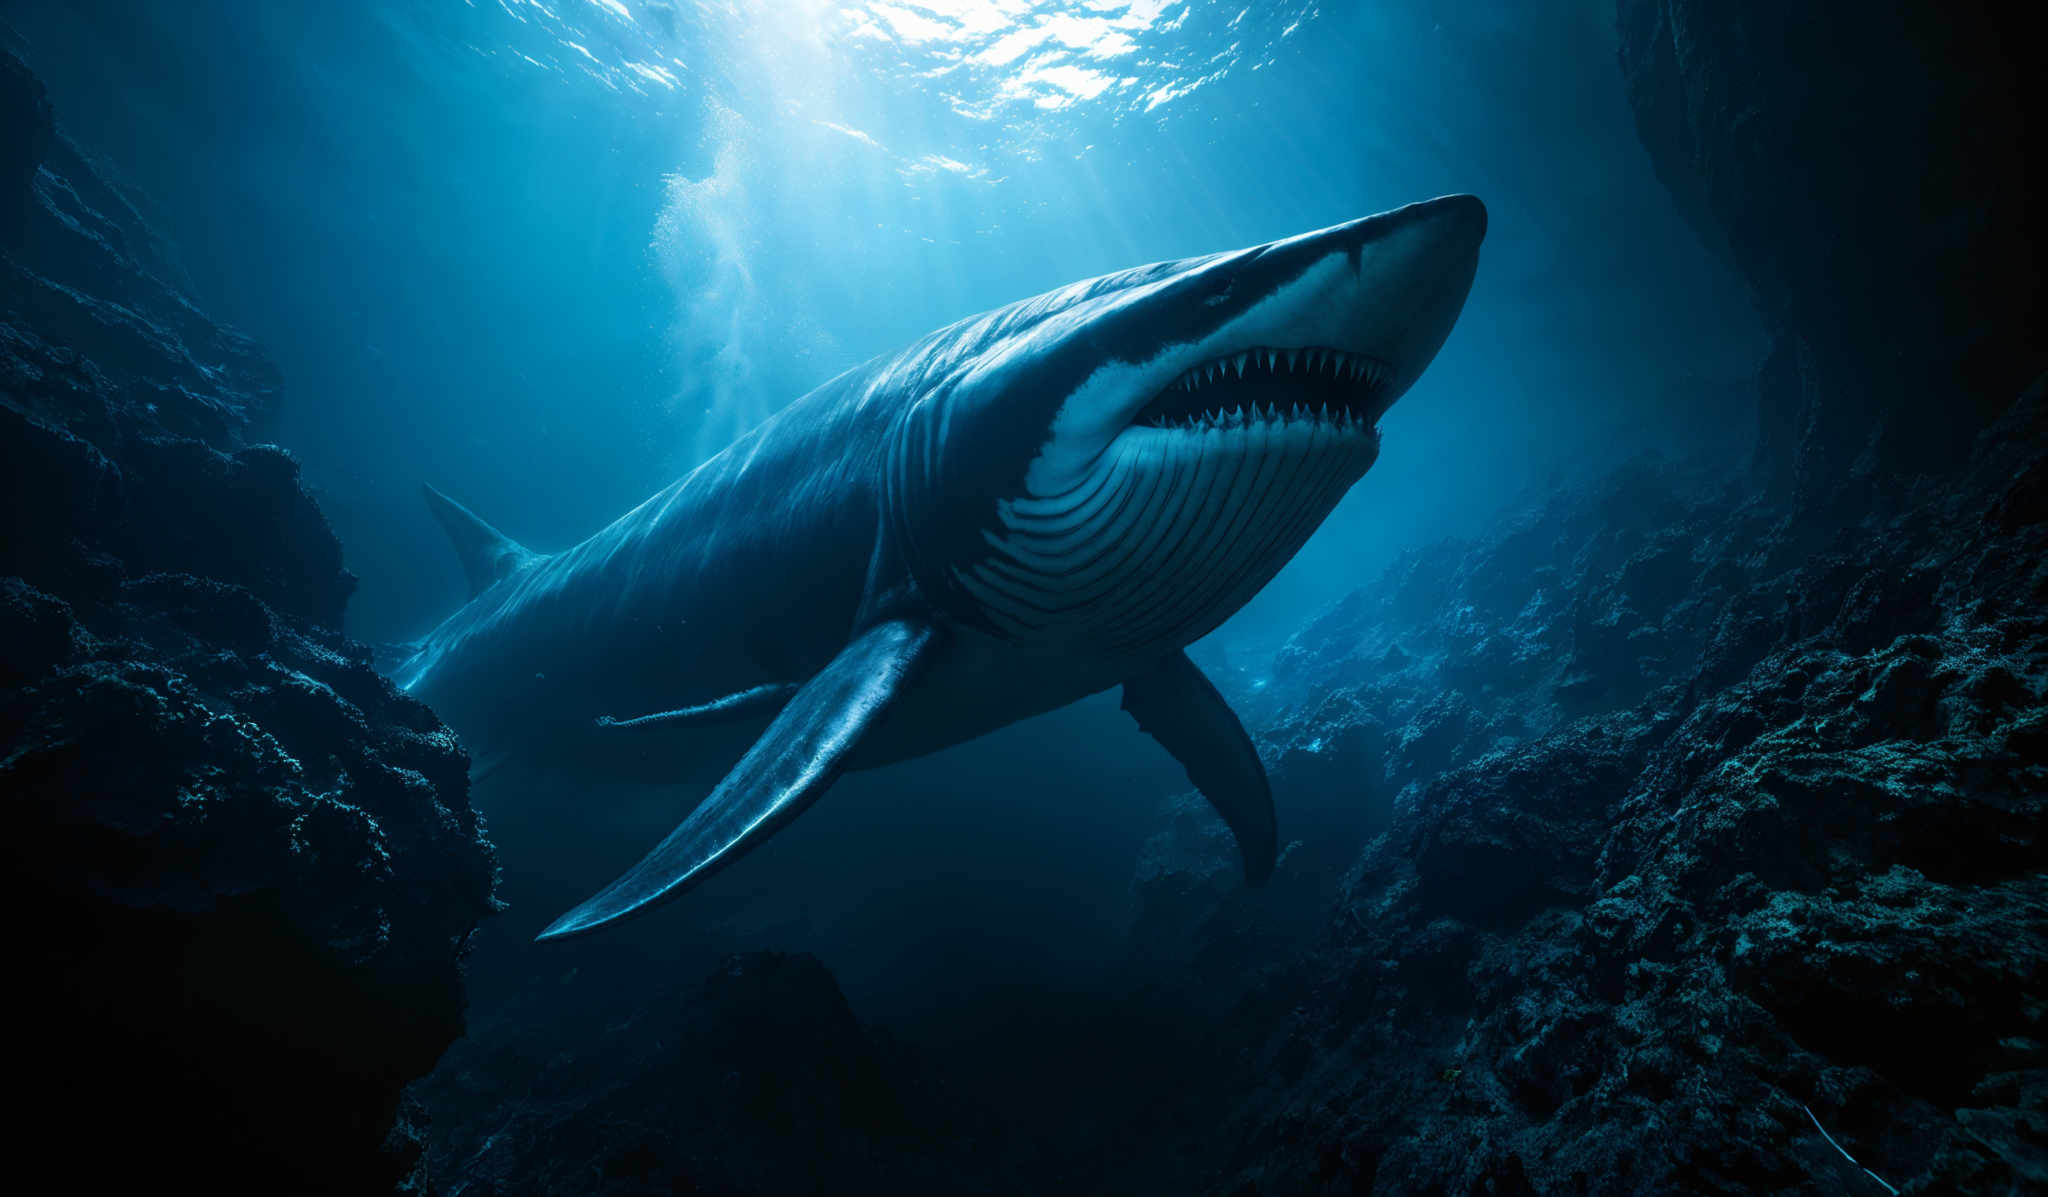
(1021, 509)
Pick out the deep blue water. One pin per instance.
(547, 257)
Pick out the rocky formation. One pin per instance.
(1788, 879)
(1870, 174)
(242, 868)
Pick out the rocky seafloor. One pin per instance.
(1680, 833)
(242, 869)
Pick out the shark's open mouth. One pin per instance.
(1315, 383)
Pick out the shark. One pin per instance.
(1021, 509)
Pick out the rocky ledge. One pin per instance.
(243, 868)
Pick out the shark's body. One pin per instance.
(1021, 509)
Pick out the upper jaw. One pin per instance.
(1315, 382)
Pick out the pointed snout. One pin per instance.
(1451, 225)
(1415, 269)
(1389, 285)
(1460, 220)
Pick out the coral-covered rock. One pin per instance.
(244, 868)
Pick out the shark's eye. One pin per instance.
(1221, 294)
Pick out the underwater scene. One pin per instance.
(1009, 597)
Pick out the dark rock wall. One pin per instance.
(243, 869)
(1872, 171)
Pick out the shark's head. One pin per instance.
(1124, 462)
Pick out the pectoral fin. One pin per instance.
(793, 762)
(1180, 708)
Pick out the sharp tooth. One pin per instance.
(1240, 365)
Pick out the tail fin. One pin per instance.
(486, 553)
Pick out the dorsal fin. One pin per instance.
(486, 553)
